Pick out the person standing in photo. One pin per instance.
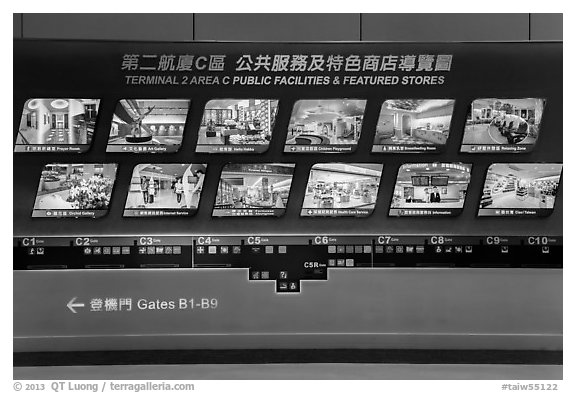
(179, 190)
(151, 191)
(435, 196)
(196, 189)
(144, 188)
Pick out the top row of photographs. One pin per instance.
(493, 125)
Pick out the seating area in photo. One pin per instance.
(493, 121)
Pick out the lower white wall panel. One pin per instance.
(372, 308)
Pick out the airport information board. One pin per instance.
(287, 162)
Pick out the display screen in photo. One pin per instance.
(517, 190)
(148, 126)
(413, 126)
(342, 190)
(325, 126)
(253, 190)
(430, 189)
(74, 190)
(164, 190)
(502, 125)
(237, 126)
(57, 125)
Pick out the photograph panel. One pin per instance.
(164, 190)
(502, 125)
(413, 126)
(74, 190)
(517, 190)
(430, 189)
(57, 125)
(253, 190)
(237, 126)
(148, 126)
(325, 126)
(342, 189)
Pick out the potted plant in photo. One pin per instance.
(91, 194)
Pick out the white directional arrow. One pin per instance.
(72, 306)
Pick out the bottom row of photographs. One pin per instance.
(333, 190)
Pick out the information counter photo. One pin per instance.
(430, 189)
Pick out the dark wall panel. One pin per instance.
(17, 23)
(445, 27)
(154, 27)
(291, 27)
(277, 27)
(546, 27)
